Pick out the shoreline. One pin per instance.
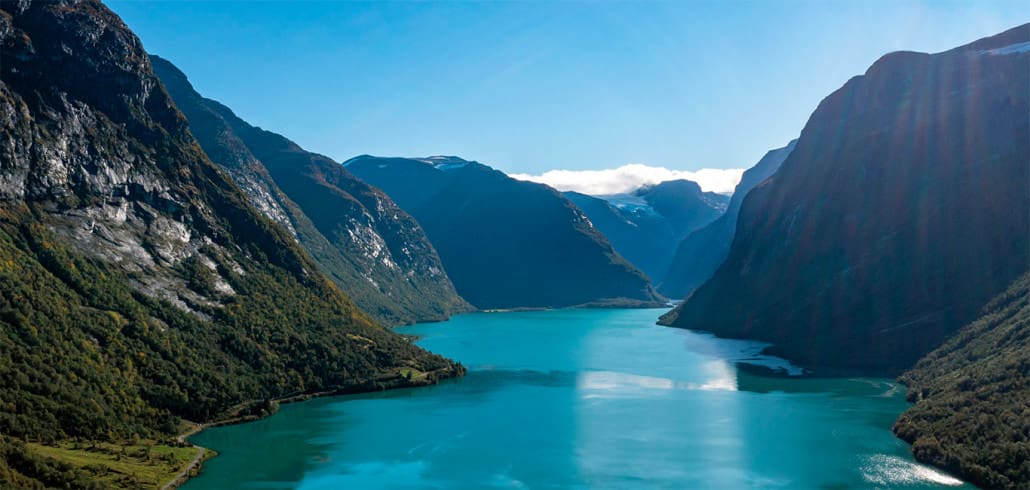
(364, 387)
(809, 371)
(233, 416)
(594, 305)
(600, 305)
(814, 372)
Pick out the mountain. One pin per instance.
(904, 208)
(138, 286)
(373, 250)
(972, 397)
(507, 243)
(699, 254)
(644, 226)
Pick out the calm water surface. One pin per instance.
(580, 399)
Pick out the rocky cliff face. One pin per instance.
(903, 208)
(507, 243)
(371, 248)
(699, 254)
(644, 226)
(82, 118)
(139, 285)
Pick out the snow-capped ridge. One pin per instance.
(440, 162)
(629, 202)
(1016, 48)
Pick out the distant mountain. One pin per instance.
(644, 226)
(972, 397)
(371, 248)
(138, 285)
(507, 243)
(699, 254)
(904, 207)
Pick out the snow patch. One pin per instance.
(1022, 47)
(629, 202)
(450, 166)
(443, 162)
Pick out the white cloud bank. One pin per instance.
(633, 176)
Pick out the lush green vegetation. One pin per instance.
(186, 305)
(23, 468)
(85, 356)
(134, 465)
(972, 397)
(93, 465)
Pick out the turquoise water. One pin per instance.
(580, 399)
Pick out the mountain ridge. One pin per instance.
(501, 239)
(371, 248)
(916, 236)
(701, 252)
(140, 287)
(644, 225)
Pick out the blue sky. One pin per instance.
(532, 86)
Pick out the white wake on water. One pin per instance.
(882, 469)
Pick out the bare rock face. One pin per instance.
(69, 147)
(138, 284)
(361, 239)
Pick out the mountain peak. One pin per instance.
(646, 224)
(500, 238)
(1003, 43)
(366, 243)
(911, 175)
(670, 186)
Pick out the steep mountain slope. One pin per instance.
(644, 226)
(137, 284)
(972, 397)
(904, 207)
(372, 249)
(699, 254)
(506, 243)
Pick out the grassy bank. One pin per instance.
(93, 464)
(160, 464)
